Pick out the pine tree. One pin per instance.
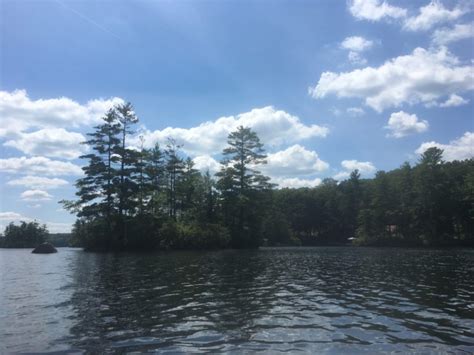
(239, 183)
(174, 169)
(125, 178)
(154, 178)
(96, 190)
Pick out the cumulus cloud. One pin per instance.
(294, 161)
(295, 183)
(274, 127)
(38, 182)
(431, 15)
(18, 112)
(375, 10)
(206, 163)
(403, 124)
(50, 142)
(447, 35)
(364, 167)
(420, 77)
(458, 149)
(453, 101)
(285, 168)
(356, 45)
(35, 195)
(38, 166)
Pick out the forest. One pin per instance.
(145, 199)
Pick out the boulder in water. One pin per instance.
(45, 248)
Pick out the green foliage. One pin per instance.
(61, 239)
(24, 235)
(429, 204)
(152, 199)
(243, 188)
(276, 230)
(149, 199)
(176, 235)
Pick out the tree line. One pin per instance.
(24, 235)
(140, 198)
(429, 204)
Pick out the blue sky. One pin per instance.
(330, 86)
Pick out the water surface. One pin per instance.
(335, 300)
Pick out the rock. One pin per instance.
(45, 248)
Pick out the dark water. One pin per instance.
(309, 300)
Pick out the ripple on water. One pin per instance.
(337, 300)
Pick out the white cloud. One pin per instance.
(293, 161)
(342, 175)
(283, 167)
(453, 101)
(295, 183)
(403, 124)
(35, 195)
(18, 112)
(458, 149)
(446, 35)
(356, 43)
(355, 111)
(431, 15)
(375, 10)
(420, 77)
(38, 165)
(12, 216)
(356, 58)
(362, 166)
(274, 127)
(50, 142)
(38, 182)
(206, 163)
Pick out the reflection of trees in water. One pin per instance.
(164, 296)
(166, 299)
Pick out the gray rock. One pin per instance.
(45, 248)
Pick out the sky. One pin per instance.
(329, 86)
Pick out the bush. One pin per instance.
(175, 235)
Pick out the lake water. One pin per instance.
(334, 300)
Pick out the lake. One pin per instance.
(332, 300)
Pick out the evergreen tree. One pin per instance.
(239, 183)
(188, 188)
(154, 178)
(174, 169)
(125, 177)
(96, 191)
